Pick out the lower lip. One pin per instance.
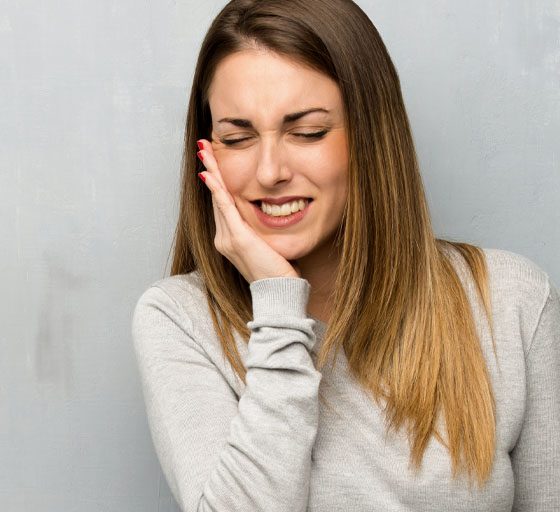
(281, 222)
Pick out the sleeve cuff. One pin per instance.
(280, 296)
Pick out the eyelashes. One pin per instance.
(313, 136)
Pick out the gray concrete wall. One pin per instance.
(92, 107)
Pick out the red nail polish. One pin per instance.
(200, 156)
(201, 176)
(200, 144)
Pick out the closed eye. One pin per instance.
(315, 135)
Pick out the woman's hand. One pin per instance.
(235, 239)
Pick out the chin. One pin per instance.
(289, 253)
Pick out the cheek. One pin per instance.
(338, 148)
(331, 162)
(330, 154)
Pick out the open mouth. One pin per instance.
(282, 218)
(258, 202)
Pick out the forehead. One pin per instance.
(263, 83)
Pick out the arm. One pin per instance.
(217, 453)
(536, 456)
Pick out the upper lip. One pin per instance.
(280, 200)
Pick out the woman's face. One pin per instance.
(255, 90)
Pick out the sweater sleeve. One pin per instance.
(218, 453)
(536, 456)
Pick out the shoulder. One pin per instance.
(172, 322)
(178, 297)
(181, 287)
(517, 280)
(508, 272)
(515, 268)
(519, 289)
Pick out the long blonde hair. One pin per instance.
(400, 311)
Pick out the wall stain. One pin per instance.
(56, 332)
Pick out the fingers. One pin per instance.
(220, 198)
(213, 179)
(227, 217)
(206, 155)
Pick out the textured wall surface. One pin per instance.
(92, 107)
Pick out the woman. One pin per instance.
(446, 393)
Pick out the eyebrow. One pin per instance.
(288, 118)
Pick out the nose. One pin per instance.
(272, 162)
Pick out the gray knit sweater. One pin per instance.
(271, 446)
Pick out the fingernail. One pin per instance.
(200, 144)
(201, 176)
(199, 153)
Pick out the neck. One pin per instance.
(320, 271)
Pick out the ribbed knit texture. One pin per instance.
(271, 446)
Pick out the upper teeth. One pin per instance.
(284, 209)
